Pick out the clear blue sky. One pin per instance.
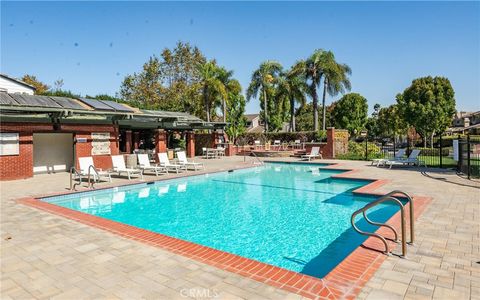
(92, 46)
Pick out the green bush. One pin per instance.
(433, 151)
(356, 151)
(304, 136)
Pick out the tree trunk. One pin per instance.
(324, 113)
(205, 98)
(265, 109)
(315, 107)
(292, 118)
(224, 111)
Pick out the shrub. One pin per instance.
(304, 136)
(356, 151)
(433, 151)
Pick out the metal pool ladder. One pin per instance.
(389, 198)
(258, 159)
(73, 171)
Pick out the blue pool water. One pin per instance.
(289, 215)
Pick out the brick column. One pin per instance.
(330, 149)
(190, 144)
(136, 140)
(214, 139)
(160, 142)
(128, 141)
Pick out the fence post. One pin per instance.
(460, 155)
(441, 148)
(366, 146)
(468, 156)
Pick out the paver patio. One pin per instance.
(47, 256)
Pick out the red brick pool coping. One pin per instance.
(344, 281)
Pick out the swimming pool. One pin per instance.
(294, 216)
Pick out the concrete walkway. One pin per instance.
(47, 256)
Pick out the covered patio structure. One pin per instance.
(46, 134)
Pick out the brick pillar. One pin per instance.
(136, 140)
(160, 141)
(190, 144)
(215, 135)
(128, 141)
(330, 149)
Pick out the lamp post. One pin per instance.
(364, 133)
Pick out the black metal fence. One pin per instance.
(459, 152)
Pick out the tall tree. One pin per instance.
(428, 105)
(236, 121)
(212, 87)
(390, 122)
(351, 113)
(291, 87)
(232, 87)
(335, 79)
(312, 70)
(169, 81)
(40, 87)
(261, 83)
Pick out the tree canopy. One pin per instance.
(351, 113)
(263, 85)
(428, 105)
(40, 87)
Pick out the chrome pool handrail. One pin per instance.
(74, 171)
(90, 183)
(411, 212)
(382, 199)
(258, 159)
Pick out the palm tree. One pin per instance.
(261, 81)
(292, 87)
(212, 86)
(312, 71)
(335, 79)
(232, 86)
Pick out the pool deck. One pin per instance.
(47, 256)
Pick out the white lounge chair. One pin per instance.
(314, 153)
(119, 166)
(144, 165)
(411, 160)
(381, 161)
(165, 162)
(182, 160)
(85, 164)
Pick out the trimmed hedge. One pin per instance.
(433, 151)
(304, 136)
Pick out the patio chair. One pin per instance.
(182, 160)
(220, 151)
(411, 160)
(207, 153)
(277, 144)
(297, 144)
(314, 153)
(165, 162)
(257, 144)
(144, 165)
(85, 164)
(119, 166)
(381, 161)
